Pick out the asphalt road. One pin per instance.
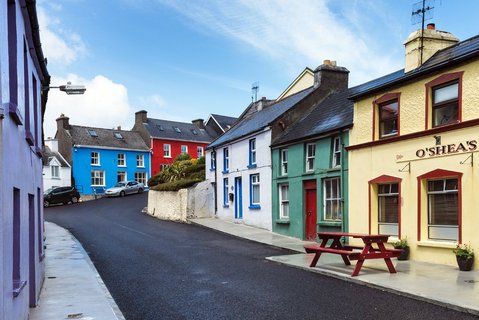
(164, 270)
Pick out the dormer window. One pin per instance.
(177, 129)
(160, 128)
(118, 135)
(194, 132)
(92, 133)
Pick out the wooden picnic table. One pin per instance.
(373, 249)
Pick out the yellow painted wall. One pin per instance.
(303, 81)
(388, 159)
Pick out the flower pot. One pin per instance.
(405, 253)
(464, 264)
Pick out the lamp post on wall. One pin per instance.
(69, 88)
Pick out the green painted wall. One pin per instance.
(295, 225)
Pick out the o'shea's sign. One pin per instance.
(467, 146)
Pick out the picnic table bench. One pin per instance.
(349, 252)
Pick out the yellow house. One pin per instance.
(412, 148)
(303, 81)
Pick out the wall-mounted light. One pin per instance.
(438, 140)
(69, 88)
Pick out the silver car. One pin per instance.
(125, 187)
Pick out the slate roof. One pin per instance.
(106, 138)
(260, 119)
(47, 154)
(454, 54)
(164, 129)
(224, 121)
(333, 113)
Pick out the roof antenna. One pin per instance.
(254, 91)
(422, 11)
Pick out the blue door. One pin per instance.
(238, 199)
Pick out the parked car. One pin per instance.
(125, 187)
(63, 195)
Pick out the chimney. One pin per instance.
(433, 41)
(199, 123)
(118, 128)
(329, 74)
(63, 122)
(140, 117)
(260, 104)
(52, 144)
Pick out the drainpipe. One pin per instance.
(216, 184)
(343, 220)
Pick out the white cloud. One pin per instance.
(61, 46)
(154, 100)
(105, 104)
(297, 33)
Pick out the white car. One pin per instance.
(125, 187)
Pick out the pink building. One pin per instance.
(23, 73)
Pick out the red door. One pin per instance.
(310, 208)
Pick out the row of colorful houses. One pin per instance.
(393, 155)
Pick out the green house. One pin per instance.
(310, 171)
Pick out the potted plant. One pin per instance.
(464, 256)
(402, 244)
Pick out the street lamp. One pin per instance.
(69, 88)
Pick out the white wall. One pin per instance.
(64, 180)
(238, 167)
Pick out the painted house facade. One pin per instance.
(412, 147)
(102, 157)
(310, 171)
(169, 139)
(57, 172)
(23, 103)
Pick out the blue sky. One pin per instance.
(183, 60)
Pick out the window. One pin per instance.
(443, 209)
(140, 160)
(225, 192)
(199, 152)
(283, 201)
(140, 177)
(254, 190)
(388, 118)
(121, 176)
(284, 161)
(226, 160)
(26, 91)
(332, 199)
(252, 153)
(92, 133)
(160, 127)
(213, 161)
(163, 167)
(445, 104)
(167, 150)
(177, 129)
(388, 209)
(184, 149)
(97, 178)
(95, 159)
(118, 135)
(336, 152)
(55, 172)
(310, 154)
(121, 160)
(194, 132)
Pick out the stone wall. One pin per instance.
(194, 202)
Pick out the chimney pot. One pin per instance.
(327, 62)
(431, 26)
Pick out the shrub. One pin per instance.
(176, 185)
(201, 160)
(182, 157)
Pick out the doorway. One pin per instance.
(310, 210)
(238, 199)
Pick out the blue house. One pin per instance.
(102, 157)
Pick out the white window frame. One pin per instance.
(100, 175)
(335, 216)
(121, 160)
(226, 159)
(252, 152)
(225, 192)
(95, 158)
(255, 184)
(55, 171)
(442, 232)
(140, 160)
(141, 177)
(284, 161)
(184, 149)
(336, 159)
(283, 202)
(391, 228)
(121, 173)
(166, 150)
(310, 156)
(199, 151)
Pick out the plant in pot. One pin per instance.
(464, 256)
(402, 244)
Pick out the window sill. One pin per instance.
(140, 167)
(38, 151)
(95, 165)
(14, 113)
(437, 244)
(335, 169)
(212, 169)
(165, 157)
(309, 173)
(225, 172)
(55, 178)
(330, 223)
(251, 166)
(18, 286)
(255, 207)
(282, 221)
(121, 166)
(29, 138)
(226, 206)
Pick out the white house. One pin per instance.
(23, 74)
(56, 170)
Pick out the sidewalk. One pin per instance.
(72, 288)
(434, 283)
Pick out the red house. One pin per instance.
(168, 139)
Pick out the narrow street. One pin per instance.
(164, 270)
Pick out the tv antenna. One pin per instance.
(254, 91)
(422, 11)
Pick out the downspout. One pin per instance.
(216, 184)
(343, 216)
